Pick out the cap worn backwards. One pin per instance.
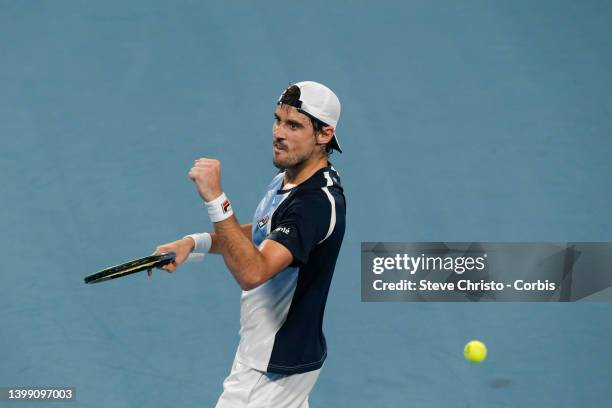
(320, 102)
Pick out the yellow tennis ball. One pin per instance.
(475, 351)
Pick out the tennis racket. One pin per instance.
(136, 265)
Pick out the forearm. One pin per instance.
(215, 247)
(243, 259)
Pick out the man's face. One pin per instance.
(293, 138)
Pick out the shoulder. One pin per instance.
(311, 202)
(314, 204)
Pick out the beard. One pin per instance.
(278, 165)
(288, 161)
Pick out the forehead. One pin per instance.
(287, 112)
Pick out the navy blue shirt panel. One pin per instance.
(300, 223)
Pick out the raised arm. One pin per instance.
(250, 265)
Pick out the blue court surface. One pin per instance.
(461, 121)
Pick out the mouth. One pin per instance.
(278, 147)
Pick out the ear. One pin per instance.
(325, 135)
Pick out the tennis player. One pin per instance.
(284, 260)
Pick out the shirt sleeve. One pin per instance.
(303, 224)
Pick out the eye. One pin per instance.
(293, 126)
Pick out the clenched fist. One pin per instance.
(206, 174)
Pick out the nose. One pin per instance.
(277, 131)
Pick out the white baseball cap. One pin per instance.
(320, 102)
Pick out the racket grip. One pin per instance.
(195, 257)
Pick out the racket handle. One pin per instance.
(195, 257)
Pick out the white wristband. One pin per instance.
(219, 209)
(202, 241)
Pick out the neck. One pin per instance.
(303, 171)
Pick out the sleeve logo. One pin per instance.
(284, 230)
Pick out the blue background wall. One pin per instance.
(465, 121)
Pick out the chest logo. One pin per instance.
(262, 222)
